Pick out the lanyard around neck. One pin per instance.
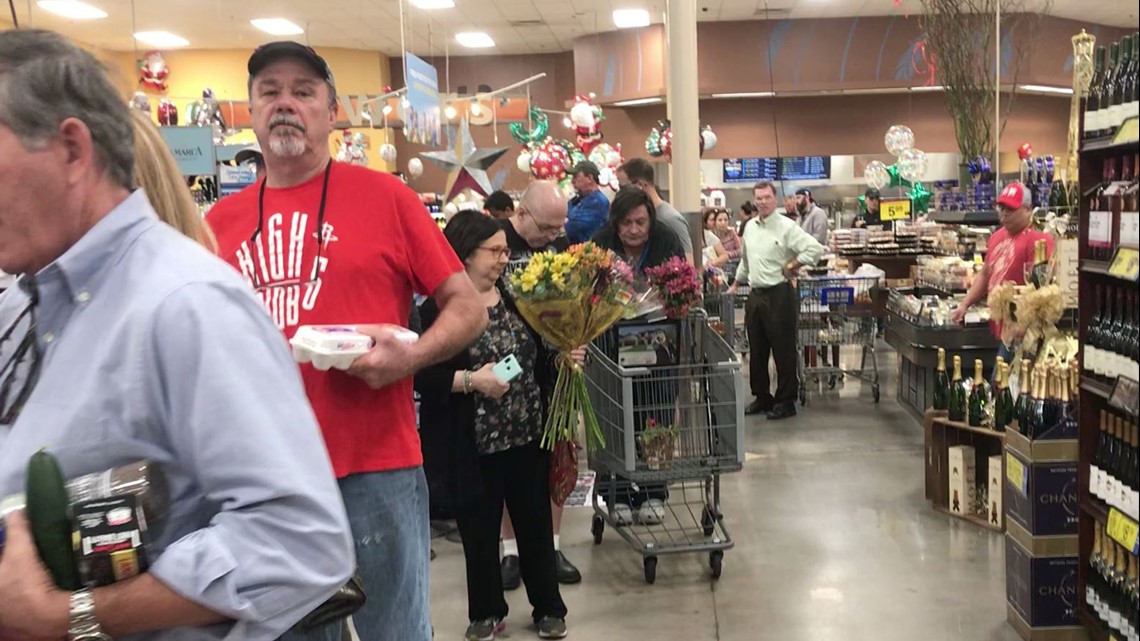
(320, 211)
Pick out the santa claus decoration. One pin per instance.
(153, 71)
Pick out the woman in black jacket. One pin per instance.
(487, 434)
(632, 232)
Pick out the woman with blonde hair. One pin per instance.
(156, 173)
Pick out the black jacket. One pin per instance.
(663, 245)
(447, 420)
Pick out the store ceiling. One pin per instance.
(518, 26)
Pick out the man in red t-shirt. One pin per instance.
(376, 246)
(1008, 255)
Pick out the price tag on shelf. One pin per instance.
(1130, 228)
(1125, 395)
(1125, 264)
(1124, 530)
(1128, 132)
(1016, 474)
(894, 209)
(1100, 228)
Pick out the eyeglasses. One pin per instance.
(315, 271)
(22, 369)
(504, 252)
(544, 227)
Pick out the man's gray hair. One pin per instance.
(45, 79)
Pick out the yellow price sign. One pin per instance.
(1125, 264)
(894, 209)
(1016, 474)
(1124, 530)
(1128, 132)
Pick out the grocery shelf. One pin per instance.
(1095, 508)
(1089, 384)
(984, 217)
(1096, 629)
(1108, 145)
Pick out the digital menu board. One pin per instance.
(748, 170)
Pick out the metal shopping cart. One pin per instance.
(726, 312)
(668, 398)
(836, 311)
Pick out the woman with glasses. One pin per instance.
(493, 428)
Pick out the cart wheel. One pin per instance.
(716, 563)
(803, 396)
(875, 393)
(597, 527)
(708, 522)
(650, 569)
(832, 381)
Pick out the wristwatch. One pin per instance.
(83, 626)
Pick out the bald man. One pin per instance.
(537, 226)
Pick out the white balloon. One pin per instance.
(415, 168)
(613, 158)
(582, 114)
(912, 165)
(523, 162)
(709, 138)
(388, 152)
(899, 138)
(876, 174)
(450, 209)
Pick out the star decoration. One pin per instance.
(466, 166)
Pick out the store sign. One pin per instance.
(894, 209)
(193, 148)
(422, 113)
(234, 179)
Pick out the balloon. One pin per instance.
(539, 125)
(549, 161)
(899, 138)
(920, 196)
(388, 152)
(709, 138)
(450, 209)
(582, 114)
(415, 168)
(912, 164)
(876, 174)
(523, 162)
(1024, 151)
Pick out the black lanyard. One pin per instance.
(320, 217)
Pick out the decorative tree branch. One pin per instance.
(960, 36)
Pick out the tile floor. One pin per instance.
(834, 542)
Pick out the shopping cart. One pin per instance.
(668, 398)
(835, 311)
(726, 313)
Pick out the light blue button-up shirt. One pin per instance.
(155, 349)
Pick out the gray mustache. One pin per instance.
(288, 122)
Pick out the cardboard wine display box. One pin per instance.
(963, 475)
(1041, 486)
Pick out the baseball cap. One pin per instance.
(272, 51)
(249, 152)
(803, 192)
(587, 167)
(1014, 195)
(872, 193)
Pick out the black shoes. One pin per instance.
(509, 573)
(567, 573)
(785, 410)
(551, 628)
(758, 407)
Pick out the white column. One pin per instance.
(684, 109)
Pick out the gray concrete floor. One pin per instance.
(834, 542)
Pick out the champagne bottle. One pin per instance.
(1067, 419)
(1133, 474)
(1037, 412)
(1096, 563)
(958, 392)
(1100, 456)
(1003, 403)
(1091, 127)
(1040, 276)
(1108, 122)
(1116, 103)
(1090, 350)
(1112, 462)
(979, 398)
(941, 383)
(1021, 411)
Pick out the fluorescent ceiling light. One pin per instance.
(72, 9)
(277, 26)
(745, 94)
(474, 40)
(1068, 91)
(639, 101)
(929, 88)
(161, 39)
(433, 4)
(629, 18)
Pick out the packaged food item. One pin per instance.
(337, 346)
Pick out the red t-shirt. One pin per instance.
(1008, 258)
(379, 244)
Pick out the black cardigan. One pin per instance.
(663, 244)
(447, 419)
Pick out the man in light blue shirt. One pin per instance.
(132, 342)
(774, 249)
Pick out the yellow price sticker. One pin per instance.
(1016, 474)
(1125, 264)
(1128, 132)
(1124, 530)
(894, 209)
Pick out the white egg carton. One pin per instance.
(337, 346)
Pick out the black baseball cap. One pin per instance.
(273, 51)
(872, 193)
(803, 191)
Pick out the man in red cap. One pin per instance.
(1009, 253)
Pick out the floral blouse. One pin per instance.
(516, 418)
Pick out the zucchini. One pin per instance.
(48, 510)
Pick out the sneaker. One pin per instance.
(623, 515)
(484, 630)
(551, 628)
(651, 513)
(565, 570)
(509, 572)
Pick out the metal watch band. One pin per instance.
(83, 625)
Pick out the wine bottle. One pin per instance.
(1133, 108)
(1021, 411)
(979, 398)
(1108, 122)
(1134, 338)
(1104, 334)
(1039, 278)
(1099, 459)
(1003, 403)
(1090, 349)
(958, 392)
(1100, 213)
(1131, 473)
(1037, 412)
(1096, 564)
(1052, 402)
(941, 383)
(1116, 102)
(1091, 127)
(1112, 462)
(1116, 337)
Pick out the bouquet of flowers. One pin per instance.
(677, 284)
(570, 299)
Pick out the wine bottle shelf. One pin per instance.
(1093, 386)
(1095, 508)
(1107, 144)
(1096, 629)
(1100, 268)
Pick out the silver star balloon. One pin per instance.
(466, 166)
